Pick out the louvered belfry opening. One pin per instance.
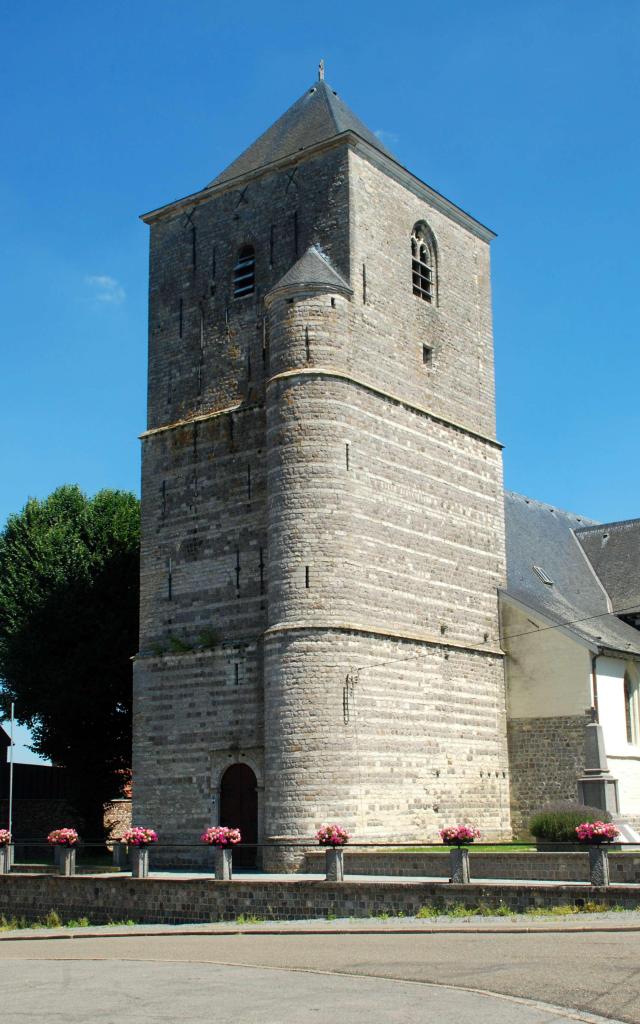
(244, 272)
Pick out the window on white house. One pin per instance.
(244, 272)
(632, 709)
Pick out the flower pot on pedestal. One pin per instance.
(598, 865)
(66, 860)
(139, 861)
(334, 864)
(459, 864)
(223, 863)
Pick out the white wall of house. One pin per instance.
(548, 672)
(623, 757)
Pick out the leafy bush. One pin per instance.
(557, 823)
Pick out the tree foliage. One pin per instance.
(69, 568)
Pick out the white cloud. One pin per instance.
(106, 289)
(386, 138)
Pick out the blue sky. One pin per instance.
(525, 115)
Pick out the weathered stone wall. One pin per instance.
(204, 561)
(406, 533)
(546, 758)
(194, 716)
(539, 866)
(117, 817)
(419, 745)
(173, 901)
(321, 506)
(392, 325)
(205, 347)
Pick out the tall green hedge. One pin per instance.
(557, 823)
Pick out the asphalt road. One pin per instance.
(347, 977)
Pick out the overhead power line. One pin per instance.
(511, 636)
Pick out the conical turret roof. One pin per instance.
(317, 116)
(313, 270)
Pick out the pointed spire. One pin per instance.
(317, 116)
(313, 272)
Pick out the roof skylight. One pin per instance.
(548, 582)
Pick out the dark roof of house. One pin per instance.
(317, 116)
(614, 552)
(543, 536)
(313, 268)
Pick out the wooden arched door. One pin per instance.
(239, 809)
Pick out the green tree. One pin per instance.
(69, 570)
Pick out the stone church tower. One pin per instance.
(322, 507)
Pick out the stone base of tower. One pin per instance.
(391, 738)
(197, 750)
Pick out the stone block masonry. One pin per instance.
(546, 757)
(178, 901)
(322, 512)
(538, 866)
(418, 749)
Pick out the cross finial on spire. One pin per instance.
(321, 71)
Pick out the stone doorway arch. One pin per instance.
(239, 809)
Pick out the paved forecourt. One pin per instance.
(515, 978)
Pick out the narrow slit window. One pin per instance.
(244, 273)
(427, 355)
(306, 576)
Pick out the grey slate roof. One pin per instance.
(544, 536)
(614, 552)
(318, 115)
(313, 268)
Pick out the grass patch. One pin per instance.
(52, 920)
(248, 919)
(425, 912)
(11, 924)
(459, 910)
(473, 848)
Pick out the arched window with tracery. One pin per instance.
(244, 272)
(423, 262)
